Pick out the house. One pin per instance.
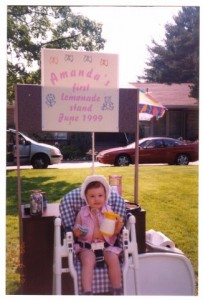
(180, 120)
(182, 116)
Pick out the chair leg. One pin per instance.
(72, 270)
(130, 257)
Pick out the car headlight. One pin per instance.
(55, 152)
(104, 155)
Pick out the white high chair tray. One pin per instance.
(162, 274)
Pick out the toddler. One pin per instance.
(95, 191)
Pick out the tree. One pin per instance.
(177, 61)
(29, 28)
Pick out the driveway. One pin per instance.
(65, 165)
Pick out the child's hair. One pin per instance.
(94, 184)
(95, 181)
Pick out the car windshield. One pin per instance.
(130, 146)
(27, 138)
(142, 143)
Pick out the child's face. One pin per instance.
(96, 197)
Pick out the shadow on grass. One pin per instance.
(55, 191)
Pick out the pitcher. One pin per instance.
(108, 224)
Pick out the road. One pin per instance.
(76, 164)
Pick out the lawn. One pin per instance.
(169, 194)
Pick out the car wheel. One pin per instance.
(40, 161)
(182, 159)
(122, 160)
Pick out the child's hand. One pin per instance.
(79, 230)
(118, 226)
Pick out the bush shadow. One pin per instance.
(55, 191)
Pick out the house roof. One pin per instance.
(174, 95)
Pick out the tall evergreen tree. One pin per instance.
(31, 27)
(177, 61)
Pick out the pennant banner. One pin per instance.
(149, 107)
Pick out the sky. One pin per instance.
(128, 31)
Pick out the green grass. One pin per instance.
(168, 194)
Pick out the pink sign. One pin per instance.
(79, 91)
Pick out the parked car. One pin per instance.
(152, 150)
(38, 155)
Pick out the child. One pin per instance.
(95, 191)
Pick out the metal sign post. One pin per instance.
(93, 153)
(18, 184)
(136, 153)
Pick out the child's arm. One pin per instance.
(78, 229)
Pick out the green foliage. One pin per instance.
(165, 194)
(29, 28)
(70, 152)
(80, 143)
(177, 61)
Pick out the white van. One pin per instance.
(38, 155)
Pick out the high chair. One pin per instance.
(69, 207)
(150, 273)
